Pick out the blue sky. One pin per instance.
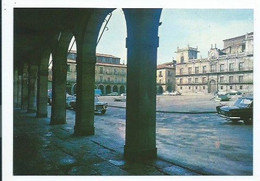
(182, 27)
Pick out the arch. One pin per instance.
(102, 88)
(212, 86)
(108, 89)
(122, 89)
(169, 88)
(115, 88)
(160, 90)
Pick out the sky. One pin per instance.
(180, 28)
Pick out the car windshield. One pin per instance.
(243, 103)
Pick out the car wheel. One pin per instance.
(248, 121)
(235, 120)
(103, 111)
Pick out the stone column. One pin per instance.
(59, 76)
(141, 43)
(86, 60)
(15, 84)
(24, 87)
(19, 93)
(32, 88)
(42, 91)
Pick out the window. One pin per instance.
(115, 71)
(101, 70)
(189, 80)
(241, 66)
(204, 87)
(181, 81)
(222, 68)
(231, 87)
(123, 72)
(101, 78)
(221, 87)
(204, 80)
(231, 79)
(221, 79)
(189, 88)
(169, 81)
(182, 59)
(160, 81)
(189, 70)
(108, 79)
(180, 87)
(231, 67)
(196, 80)
(196, 70)
(181, 71)
(241, 87)
(240, 78)
(196, 87)
(212, 68)
(160, 73)
(169, 73)
(204, 69)
(115, 80)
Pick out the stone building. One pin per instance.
(110, 75)
(224, 70)
(165, 77)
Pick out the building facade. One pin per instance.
(110, 75)
(165, 77)
(229, 69)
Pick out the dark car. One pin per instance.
(99, 107)
(241, 110)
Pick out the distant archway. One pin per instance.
(212, 86)
(102, 88)
(122, 89)
(108, 89)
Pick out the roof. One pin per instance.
(98, 54)
(168, 65)
(238, 37)
(112, 65)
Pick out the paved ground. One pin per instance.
(187, 144)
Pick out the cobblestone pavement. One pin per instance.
(187, 144)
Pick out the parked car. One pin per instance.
(69, 99)
(120, 99)
(234, 92)
(99, 107)
(113, 94)
(175, 93)
(166, 93)
(241, 110)
(222, 97)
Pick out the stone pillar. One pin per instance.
(42, 91)
(24, 87)
(59, 76)
(19, 92)
(86, 60)
(32, 88)
(141, 43)
(15, 84)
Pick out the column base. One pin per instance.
(139, 155)
(79, 131)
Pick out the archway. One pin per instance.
(101, 87)
(115, 88)
(169, 88)
(122, 89)
(160, 90)
(108, 89)
(212, 86)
